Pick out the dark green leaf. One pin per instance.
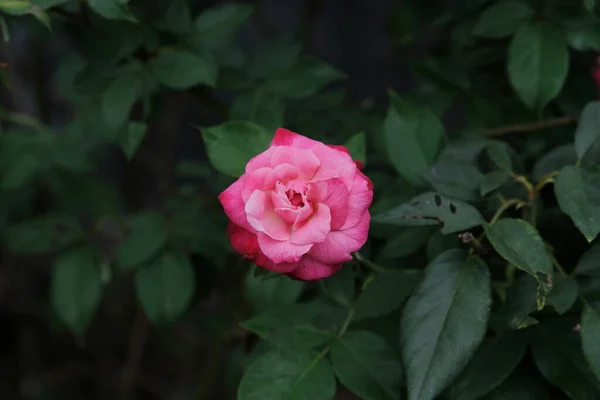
(18, 7)
(340, 287)
(132, 138)
(357, 147)
(493, 181)
(455, 178)
(499, 153)
(264, 108)
(180, 70)
(439, 243)
(291, 374)
(589, 5)
(413, 139)
(589, 262)
(146, 236)
(112, 9)
(298, 336)
(367, 365)
(492, 364)
(564, 293)
(578, 193)
(6, 37)
(177, 19)
(521, 245)
(590, 332)
(386, 293)
(521, 386)
(433, 209)
(520, 301)
(46, 4)
(76, 288)
(19, 171)
(274, 57)
(502, 19)
(276, 316)
(408, 241)
(43, 235)
(587, 133)
(220, 22)
(232, 144)
(538, 62)
(166, 287)
(117, 100)
(554, 160)
(264, 292)
(444, 321)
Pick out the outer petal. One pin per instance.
(262, 216)
(337, 147)
(315, 229)
(233, 204)
(310, 269)
(261, 160)
(282, 268)
(304, 159)
(334, 194)
(334, 160)
(285, 137)
(339, 245)
(281, 251)
(242, 241)
(359, 200)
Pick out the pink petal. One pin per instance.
(334, 194)
(359, 200)
(310, 269)
(304, 159)
(343, 149)
(282, 268)
(333, 160)
(243, 241)
(261, 160)
(233, 204)
(262, 217)
(285, 137)
(255, 180)
(315, 229)
(281, 251)
(339, 245)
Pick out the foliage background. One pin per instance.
(116, 278)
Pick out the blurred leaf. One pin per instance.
(76, 288)
(219, 22)
(589, 262)
(386, 293)
(357, 147)
(583, 32)
(433, 209)
(274, 57)
(146, 236)
(406, 242)
(452, 301)
(413, 139)
(258, 106)
(232, 144)
(118, 99)
(19, 171)
(263, 292)
(112, 9)
(520, 301)
(538, 62)
(493, 362)
(498, 152)
(276, 316)
(502, 19)
(6, 37)
(340, 287)
(589, 5)
(18, 7)
(46, 4)
(298, 336)
(493, 181)
(288, 374)
(439, 243)
(43, 235)
(587, 133)
(367, 365)
(132, 138)
(554, 160)
(564, 293)
(445, 74)
(177, 18)
(304, 79)
(578, 193)
(590, 332)
(180, 70)
(165, 287)
(455, 178)
(521, 245)
(520, 385)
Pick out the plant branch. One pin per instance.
(137, 341)
(531, 127)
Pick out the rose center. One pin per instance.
(295, 198)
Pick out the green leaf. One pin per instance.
(439, 243)
(590, 332)
(43, 235)
(493, 181)
(386, 293)
(263, 292)
(112, 9)
(6, 37)
(408, 241)
(502, 19)
(274, 57)
(554, 160)
(258, 106)
(444, 321)
(340, 287)
(433, 209)
(589, 262)
(177, 19)
(538, 62)
(578, 194)
(357, 147)
(413, 139)
(276, 316)
(587, 133)
(499, 153)
(493, 362)
(304, 79)
(520, 301)
(146, 236)
(118, 99)
(298, 336)
(132, 138)
(455, 178)
(589, 5)
(292, 374)
(46, 4)
(521, 245)
(367, 365)
(166, 287)
(232, 144)
(564, 293)
(520, 385)
(558, 357)
(19, 171)
(220, 22)
(76, 288)
(178, 69)
(17, 7)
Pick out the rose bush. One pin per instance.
(301, 207)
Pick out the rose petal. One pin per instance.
(285, 137)
(262, 217)
(315, 229)
(261, 160)
(243, 241)
(334, 194)
(233, 204)
(283, 268)
(334, 160)
(343, 149)
(309, 269)
(281, 251)
(304, 159)
(359, 200)
(339, 245)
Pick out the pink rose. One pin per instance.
(301, 208)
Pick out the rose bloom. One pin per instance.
(300, 209)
